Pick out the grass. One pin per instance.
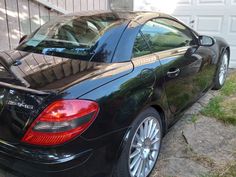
(230, 86)
(193, 119)
(230, 171)
(223, 107)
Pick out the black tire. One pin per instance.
(122, 168)
(217, 84)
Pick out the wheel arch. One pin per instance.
(228, 51)
(161, 111)
(223, 50)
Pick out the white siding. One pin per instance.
(4, 37)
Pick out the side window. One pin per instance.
(164, 34)
(140, 47)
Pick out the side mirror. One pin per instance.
(23, 38)
(206, 41)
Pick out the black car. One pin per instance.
(91, 95)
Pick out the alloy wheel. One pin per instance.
(145, 147)
(223, 69)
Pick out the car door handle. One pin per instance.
(172, 73)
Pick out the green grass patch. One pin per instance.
(213, 108)
(223, 107)
(229, 171)
(230, 86)
(194, 118)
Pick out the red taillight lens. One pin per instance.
(61, 121)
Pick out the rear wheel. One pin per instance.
(143, 146)
(222, 72)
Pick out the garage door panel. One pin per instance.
(231, 39)
(209, 24)
(233, 56)
(185, 2)
(233, 2)
(211, 2)
(232, 25)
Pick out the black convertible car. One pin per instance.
(91, 95)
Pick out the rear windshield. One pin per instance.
(70, 36)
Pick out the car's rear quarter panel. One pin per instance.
(121, 101)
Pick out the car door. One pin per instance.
(145, 63)
(175, 46)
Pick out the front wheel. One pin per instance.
(143, 146)
(222, 72)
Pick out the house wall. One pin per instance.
(20, 17)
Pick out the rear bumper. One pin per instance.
(60, 162)
(23, 167)
(83, 166)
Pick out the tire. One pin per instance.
(148, 149)
(221, 71)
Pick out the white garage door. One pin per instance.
(213, 17)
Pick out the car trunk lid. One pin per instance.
(28, 81)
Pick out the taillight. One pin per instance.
(61, 121)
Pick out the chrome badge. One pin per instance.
(22, 105)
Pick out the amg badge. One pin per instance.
(22, 105)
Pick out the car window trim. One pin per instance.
(194, 34)
(175, 20)
(147, 41)
(177, 50)
(151, 52)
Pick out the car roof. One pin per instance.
(135, 16)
